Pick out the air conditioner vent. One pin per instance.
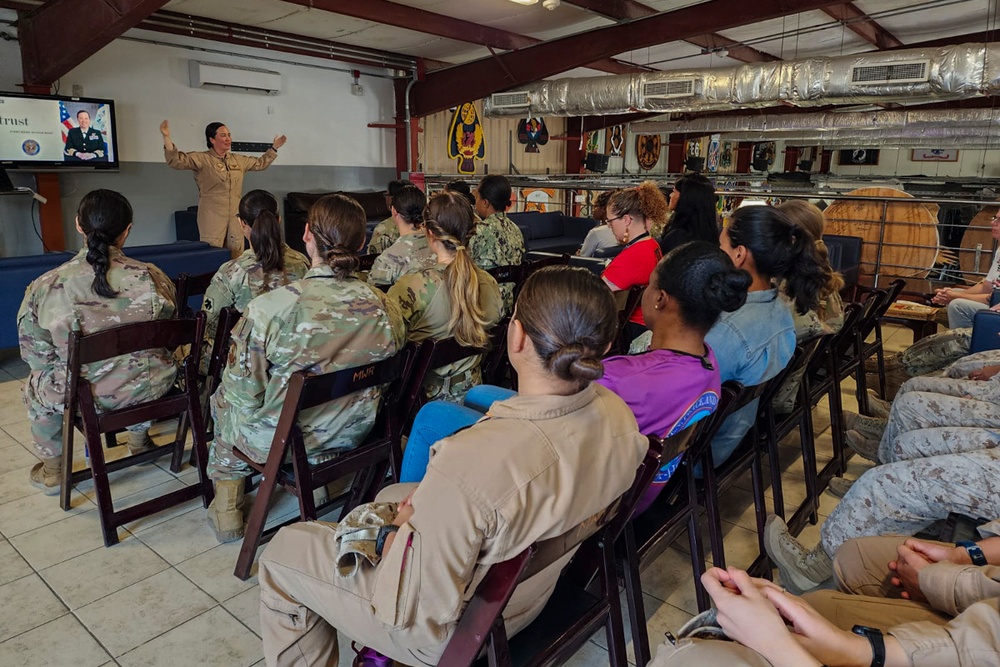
(665, 90)
(911, 72)
(512, 100)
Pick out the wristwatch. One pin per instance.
(383, 533)
(875, 638)
(975, 552)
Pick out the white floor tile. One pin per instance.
(212, 571)
(36, 510)
(181, 537)
(246, 608)
(35, 605)
(56, 542)
(63, 642)
(12, 566)
(213, 638)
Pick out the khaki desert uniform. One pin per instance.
(425, 307)
(238, 282)
(539, 466)
(409, 254)
(497, 241)
(318, 324)
(959, 626)
(220, 188)
(383, 236)
(63, 300)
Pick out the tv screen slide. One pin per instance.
(44, 132)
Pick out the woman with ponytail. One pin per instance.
(328, 321)
(98, 289)
(829, 315)
(540, 464)
(631, 212)
(452, 299)
(410, 252)
(267, 265)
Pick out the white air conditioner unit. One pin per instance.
(916, 71)
(669, 89)
(517, 99)
(234, 77)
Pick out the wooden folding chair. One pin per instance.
(81, 411)
(430, 354)
(190, 285)
(369, 462)
(875, 347)
(632, 299)
(573, 613)
(852, 361)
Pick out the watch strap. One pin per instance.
(383, 533)
(975, 552)
(876, 639)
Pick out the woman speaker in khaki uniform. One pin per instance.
(219, 175)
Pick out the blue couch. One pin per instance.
(552, 232)
(172, 258)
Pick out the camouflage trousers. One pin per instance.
(47, 427)
(961, 368)
(926, 404)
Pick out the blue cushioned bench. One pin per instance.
(553, 231)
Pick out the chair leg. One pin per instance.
(66, 486)
(695, 542)
(633, 595)
(760, 508)
(711, 495)
(808, 444)
(777, 494)
(497, 648)
(177, 459)
(102, 489)
(255, 526)
(615, 625)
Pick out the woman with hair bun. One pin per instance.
(410, 252)
(98, 289)
(540, 464)
(630, 213)
(451, 299)
(267, 265)
(677, 382)
(496, 240)
(328, 321)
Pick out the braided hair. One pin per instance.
(103, 215)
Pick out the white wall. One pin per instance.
(972, 163)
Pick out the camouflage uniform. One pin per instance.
(319, 324)
(61, 301)
(425, 308)
(409, 254)
(497, 241)
(383, 236)
(239, 281)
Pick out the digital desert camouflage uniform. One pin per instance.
(497, 241)
(383, 236)
(62, 300)
(425, 308)
(319, 324)
(409, 254)
(238, 282)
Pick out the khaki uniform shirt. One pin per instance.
(239, 281)
(425, 307)
(62, 300)
(383, 236)
(409, 254)
(536, 468)
(318, 324)
(220, 188)
(497, 241)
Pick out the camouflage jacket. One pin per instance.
(62, 300)
(497, 241)
(241, 280)
(383, 236)
(318, 324)
(409, 254)
(425, 307)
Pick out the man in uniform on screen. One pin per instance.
(85, 143)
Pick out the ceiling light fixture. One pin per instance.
(525, 2)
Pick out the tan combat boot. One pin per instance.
(225, 514)
(47, 476)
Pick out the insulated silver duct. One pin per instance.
(945, 73)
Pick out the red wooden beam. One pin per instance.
(737, 51)
(440, 25)
(480, 78)
(862, 24)
(61, 34)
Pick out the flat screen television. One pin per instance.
(46, 132)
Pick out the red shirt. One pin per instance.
(633, 266)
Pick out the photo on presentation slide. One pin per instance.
(44, 131)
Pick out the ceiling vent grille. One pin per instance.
(911, 72)
(669, 89)
(514, 100)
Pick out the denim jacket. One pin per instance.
(752, 344)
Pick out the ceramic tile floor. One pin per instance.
(165, 595)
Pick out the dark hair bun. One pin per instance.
(726, 290)
(576, 363)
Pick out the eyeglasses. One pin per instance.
(610, 220)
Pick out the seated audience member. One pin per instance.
(410, 252)
(771, 628)
(98, 289)
(694, 218)
(601, 236)
(267, 265)
(496, 240)
(630, 213)
(328, 321)
(564, 439)
(385, 232)
(676, 382)
(463, 188)
(963, 304)
(451, 299)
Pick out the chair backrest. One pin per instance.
(845, 338)
(191, 285)
(535, 265)
(891, 294)
(985, 331)
(430, 354)
(228, 317)
(366, 261)
(512, 273)
(481, 619)
(632, 300)
(872, 312)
